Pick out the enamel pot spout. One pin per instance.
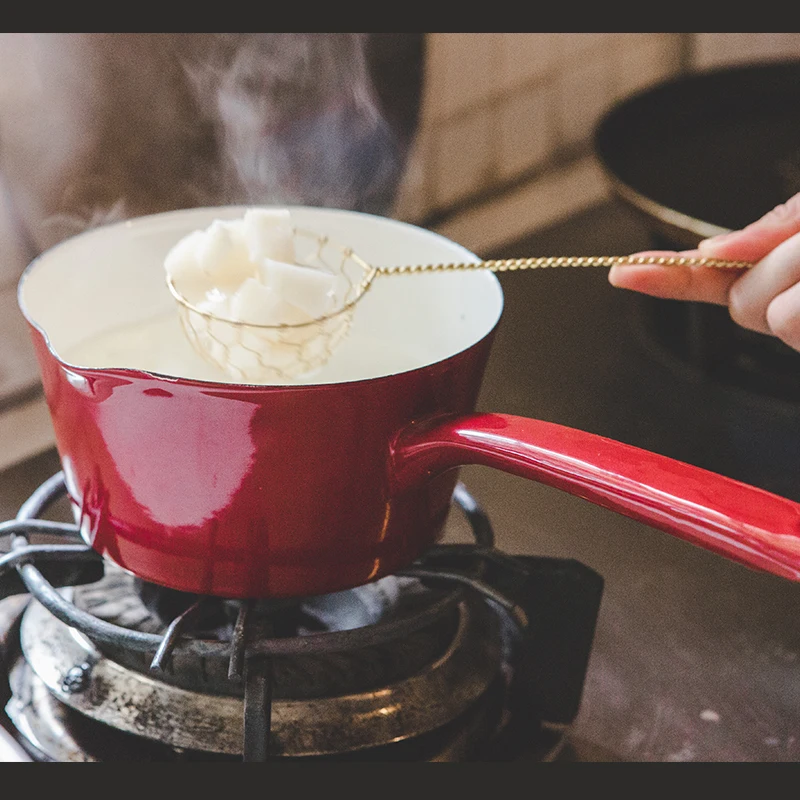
(195, 483)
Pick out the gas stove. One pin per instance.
(693, 657)
(468, 655)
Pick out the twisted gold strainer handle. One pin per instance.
(258, 353)
(512, 264)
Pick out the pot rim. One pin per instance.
(218, 385)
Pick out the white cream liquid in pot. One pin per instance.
(158, 345)
(101, 297)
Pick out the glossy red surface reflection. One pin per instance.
(275, 492)
(243, 491)
(285, 491)
(741, 522)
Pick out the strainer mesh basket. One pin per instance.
(264, 353)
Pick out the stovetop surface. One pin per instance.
(695, 658)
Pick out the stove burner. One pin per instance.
(128, 700)
(422, 664)
(63, 734)
(118, 599)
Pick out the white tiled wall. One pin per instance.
(721, 49)
(526, 132)
(501, 111)
(498, 106)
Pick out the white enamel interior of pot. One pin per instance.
(101, 298)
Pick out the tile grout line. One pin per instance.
(529, 208)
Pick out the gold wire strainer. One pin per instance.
(284, 352)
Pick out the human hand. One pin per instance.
(765, 298)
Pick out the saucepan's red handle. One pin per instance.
(738, 521)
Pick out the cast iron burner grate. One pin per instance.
(456, 640)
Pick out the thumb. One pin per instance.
(759, 238)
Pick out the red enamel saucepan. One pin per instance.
(199, 484)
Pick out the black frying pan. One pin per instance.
(706, 152)
(696, 156)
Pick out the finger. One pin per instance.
(759, 238)
(751, 296)
(783, 316)
(700, 284)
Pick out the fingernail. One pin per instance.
(712, 241)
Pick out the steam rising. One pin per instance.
(297, 120)
(103, 127)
